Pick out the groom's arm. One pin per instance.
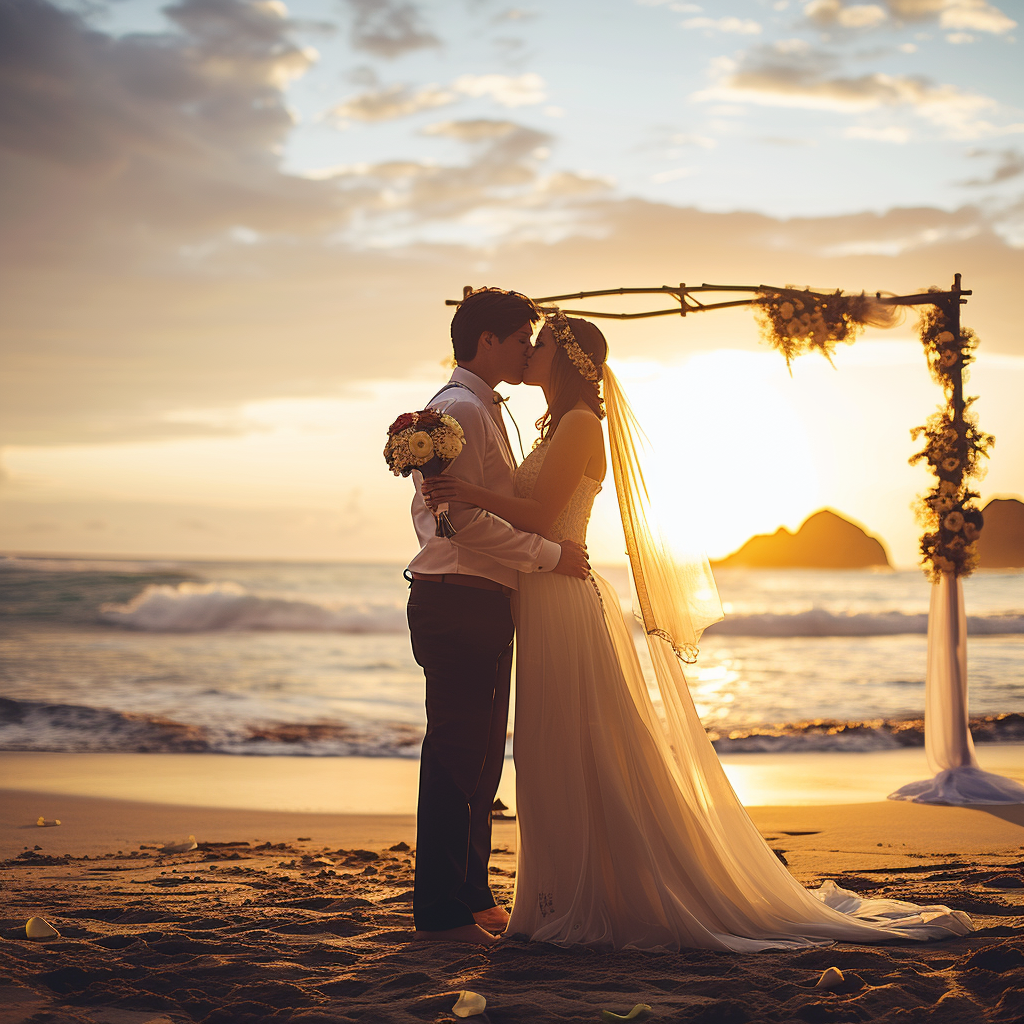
(477, 530)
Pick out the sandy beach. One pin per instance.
(302, 916)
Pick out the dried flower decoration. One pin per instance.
(954, 448)
(794, 322)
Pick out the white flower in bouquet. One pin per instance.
(446, 443)
(954, 521)
(945, 338)
(786, 309)
(454, 426)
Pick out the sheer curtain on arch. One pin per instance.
(948, 744)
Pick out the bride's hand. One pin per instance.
(439, 489)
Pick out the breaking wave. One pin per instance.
(193, 607)
(37, 725)
(819, 622)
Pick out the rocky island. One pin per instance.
(825, 540)
(1001, 544)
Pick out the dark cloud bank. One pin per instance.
(154, 256)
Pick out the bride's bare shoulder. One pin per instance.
(578, 427)
(582, 417)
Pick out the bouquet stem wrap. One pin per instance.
(435, 467)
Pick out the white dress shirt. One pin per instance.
(483, 545)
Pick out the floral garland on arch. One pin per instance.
(954, 447)
(794, 322)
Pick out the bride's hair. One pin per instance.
(568, 385)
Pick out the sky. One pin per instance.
(229, 228)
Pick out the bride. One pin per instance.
(629, 831)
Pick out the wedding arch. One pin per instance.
(796, 321)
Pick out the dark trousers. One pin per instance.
(462, 639)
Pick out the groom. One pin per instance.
(461, 626)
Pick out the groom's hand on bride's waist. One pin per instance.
(573, 561)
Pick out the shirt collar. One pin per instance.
(479, 387)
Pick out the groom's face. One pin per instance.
(512, 354)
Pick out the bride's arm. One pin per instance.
(577, 439)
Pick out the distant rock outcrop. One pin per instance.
(1001, 544)
(824, 541)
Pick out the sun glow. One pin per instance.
(732, 448)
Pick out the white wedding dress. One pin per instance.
(629, 831)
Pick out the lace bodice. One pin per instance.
(572, 523)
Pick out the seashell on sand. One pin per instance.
(469, 1004)
(37, 928)
(832, 978)
(189, 844)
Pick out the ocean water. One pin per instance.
(314, 659)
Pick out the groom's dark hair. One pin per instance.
(489, 309)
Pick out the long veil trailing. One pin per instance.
(743, 898)
(676, 592)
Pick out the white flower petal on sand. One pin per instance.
(37, 928)
(832, 978)
(469, 1004)
(189, 844)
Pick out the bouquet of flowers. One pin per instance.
(429, 441)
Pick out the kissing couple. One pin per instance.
(629, 831)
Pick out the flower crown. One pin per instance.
(559, 324)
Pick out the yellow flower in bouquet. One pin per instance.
(421, 446)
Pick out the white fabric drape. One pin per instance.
(947, 738)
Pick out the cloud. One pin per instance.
(397, 101)
(737, 26)
(508, 90)
(1010, 165)
(480, 130)
(791, 73)
(156, 258)
(833, 13)
(389, 28)
(392, 102)
(174, 133)
(878, 133)
(973, 15)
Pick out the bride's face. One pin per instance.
(538, 369)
